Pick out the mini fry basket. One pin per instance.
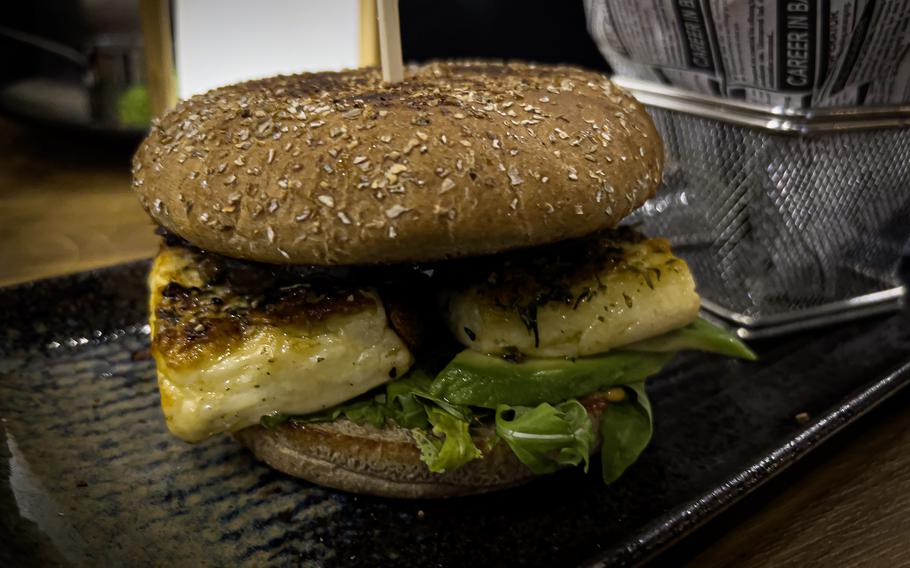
(790, 219)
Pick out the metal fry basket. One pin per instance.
(790, 219)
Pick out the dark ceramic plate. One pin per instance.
(90, 476)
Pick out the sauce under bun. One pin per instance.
(460, 159)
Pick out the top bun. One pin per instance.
(459, 159)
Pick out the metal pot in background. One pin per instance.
(76, 64)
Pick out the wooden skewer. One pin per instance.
(390, 41)
(155, 20)
(369, 34)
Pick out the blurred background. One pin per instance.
(74, 97)
(82, 62)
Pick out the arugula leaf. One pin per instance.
(626, 429)
(273, 420)
(451, 451)
(475, 379)
(700, 335)
(370, 410)
(545, 437)
(328, 415)
(367, 409)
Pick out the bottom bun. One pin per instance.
(382, 461)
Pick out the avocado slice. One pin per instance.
(475, 379)
(699, 335)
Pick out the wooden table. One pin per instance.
(66, 205)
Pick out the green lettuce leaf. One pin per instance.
(406, 409)
(449, 446)
(365, 410)
(545, 437)
(700, 335)
(404, 401)
(626, 428)
(475, 379)
(273, 420)
(414, 388)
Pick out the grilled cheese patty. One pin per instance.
(574, 300)
(227, 354)
(232, 343)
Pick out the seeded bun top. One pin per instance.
(459, 159)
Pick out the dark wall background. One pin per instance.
(547, 31)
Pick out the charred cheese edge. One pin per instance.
(222, 364)
(633, 290)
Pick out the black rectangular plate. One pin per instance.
(90, 475)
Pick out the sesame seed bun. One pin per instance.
(459, 159)
(385, 461)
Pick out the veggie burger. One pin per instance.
(416, 289)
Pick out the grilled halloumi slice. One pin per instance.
(226, 355)
(574, 300)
